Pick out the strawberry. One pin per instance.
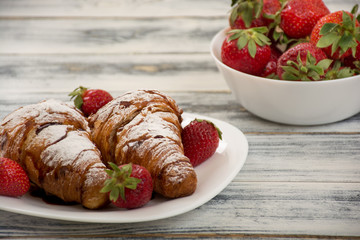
(270, 7)
(129, 186)
(338, 34)
(303, 62)
(89, 101)
(239, 23)
(246, 50)
(13, 180)
(270, 70)
(252, 13)
(298, 17)
(245, 14)
(200, 139)
(353, 62)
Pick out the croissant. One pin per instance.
(144, 127)
(51, 141)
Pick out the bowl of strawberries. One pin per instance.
(292, 62)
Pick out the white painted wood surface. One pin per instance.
(298, 182)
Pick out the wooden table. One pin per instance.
(297, 182)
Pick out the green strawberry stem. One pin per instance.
(308, 71)
(247, 9)
(338, 71)
(118, 181)
(250, 38)
(77, 96)
(354, 12)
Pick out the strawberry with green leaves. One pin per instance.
(245, 14)
(200, 139)
(246, 50)
(304, 62)
(129, 186)
(13, 179)
(252, 13)
(89, 101)
(338, 34)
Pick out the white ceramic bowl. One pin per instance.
(289, 102)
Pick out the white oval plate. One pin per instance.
(213, 176)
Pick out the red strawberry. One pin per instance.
(13, 180)
(252, 13)
(337, 33)
(200, 139)
(129, 186)
(300, 16)
(239, 23)
(245, 14)
(270, 70)
(353, 62)
(89, 101)
(303, 62)
(247, 50)
(270, 7)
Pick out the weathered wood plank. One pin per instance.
(268, 208)
(128, 8)
(112, 8)
(132, 36)
(167, 72)
(303, 158)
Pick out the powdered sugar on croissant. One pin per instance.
(144, 127)
(51, 140)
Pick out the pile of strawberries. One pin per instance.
(298, 40)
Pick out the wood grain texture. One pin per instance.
(183, 72)
(128, 8)
(113, 8)
(110, 36)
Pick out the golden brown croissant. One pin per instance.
(143, 127)
(51, 140)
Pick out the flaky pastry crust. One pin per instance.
(51, 141)
(144, 127)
